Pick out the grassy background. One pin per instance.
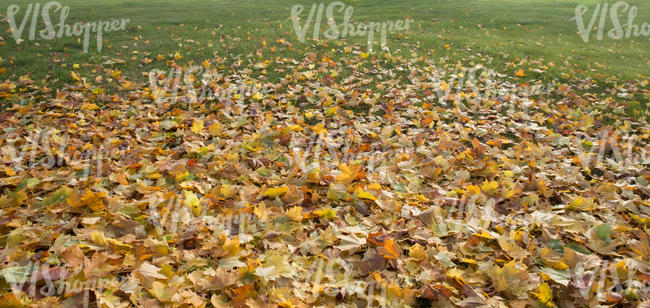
(506, 35)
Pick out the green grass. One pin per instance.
(506, 35)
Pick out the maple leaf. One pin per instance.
(417, 251)
(348, 174)
(319, 128)
(295, 213)
(91, 199)
(239, 295)
(390, 250)
(221, 279)
(351, 241)
(73, 256)
(150, 271)
(276, 266)
(490, 187)
(511, 278)
(197, 127)
(160, 291)
(473, 190)
(231, 247)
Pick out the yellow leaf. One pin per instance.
(261, 212)
(545, 295)
(93, 200)
(490, 187)
(417, 251)
(444, 86)
(326, 213)
(364, 55)
(98, 238)
(456, 274)
(637, 218)
(319, 128)
(193, 202)
(512, 278)
(468, 261)
(197, 127)
(473, 190)
(558, 265)
(484, 235)
(231, 247)
(226, 190)
(579, 203)
(331, 111)
(295, 213)
(181, 176)
(347, 174)
(160, 291)
(275, 192)
(622, 270)
(214, 129)
(74, 76)
(375, 186)
(366, 195)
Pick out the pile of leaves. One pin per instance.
(374, 180)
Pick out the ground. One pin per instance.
(489, 156)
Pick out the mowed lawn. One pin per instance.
(537, 36)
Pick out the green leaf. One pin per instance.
(604, 231)
(578, 248)
(556, 245)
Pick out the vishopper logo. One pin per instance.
(347, 29)
(610, 149)
(605, 280)
(64, 30)
(176, 214)
(180, 85)
(464, 87)
(40, 280)
(334, 277)
(605, 150)
(619, 30)
(50, 149)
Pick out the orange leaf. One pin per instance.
(390, 250)
(520, 73)
(240, 294)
